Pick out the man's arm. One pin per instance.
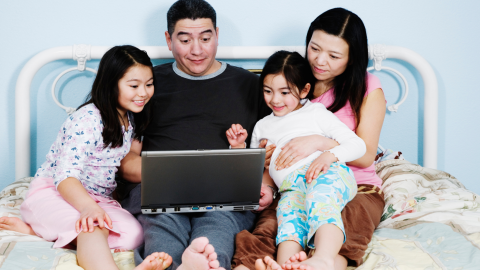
(131, 165)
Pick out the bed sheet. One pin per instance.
(430, 221)
(20, 251)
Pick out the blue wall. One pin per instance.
(445, 33)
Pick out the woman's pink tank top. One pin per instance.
(345, 114)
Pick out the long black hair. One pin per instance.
(293, 67)
(351, 85)
(104, 95)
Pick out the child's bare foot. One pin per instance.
(267, 264)
(314, 263)
(200, 255)
(155, 261)
(298, 257)
(15, 224)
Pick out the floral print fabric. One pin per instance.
(79, 152)
(303, 207)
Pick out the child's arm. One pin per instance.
(236, 136)
(131, 165)
(75, 194)
(266, 191)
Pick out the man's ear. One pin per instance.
(217, 34)
(169, 40)
(305, 90)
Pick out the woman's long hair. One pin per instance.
(351, 85)
(104, 95)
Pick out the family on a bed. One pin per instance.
(321, 141)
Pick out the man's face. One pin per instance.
(194, 46)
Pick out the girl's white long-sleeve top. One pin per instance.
(311, 119)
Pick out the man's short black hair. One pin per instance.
(190, 9)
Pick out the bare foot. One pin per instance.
(200, 255)
(298, 257)
(15, 224)
(155, 261)
(267, 264)
(314, 263)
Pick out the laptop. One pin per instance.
(201, 180)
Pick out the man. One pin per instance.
(196, 100)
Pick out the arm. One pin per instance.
(131, 165)
(372, 115)
(75, 194)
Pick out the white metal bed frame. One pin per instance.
(83, 53)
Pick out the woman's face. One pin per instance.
(327, 55)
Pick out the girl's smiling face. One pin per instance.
(135, 89)
(280, 97)
(327, 55)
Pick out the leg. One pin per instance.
(93, 251)
(249, 247)
(15, 224)
(360, 217)
(168, 233)
(200, 255)
(326, 197)
(220, 228)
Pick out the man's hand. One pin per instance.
(266, 197)
(236, 136)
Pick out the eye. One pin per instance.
(184, 41)
(334, 57)
(149, 84)
(285, 93)
(313, 48)
(134, 86)
(205, 39)
(266, 91)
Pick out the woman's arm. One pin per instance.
(131, 165)
(372, 115)
(75, 194)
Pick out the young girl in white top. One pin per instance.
(314, 190)
(70, 200)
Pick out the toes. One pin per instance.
(260, 265)
(214, 264)
(302, 256)
(212, 256)
(209, 249)
(199, 244)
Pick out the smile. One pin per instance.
(319, 70)
(278, 108)
(139, 102)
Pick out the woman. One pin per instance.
(337, 51)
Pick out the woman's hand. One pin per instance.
(322, 163)
(91, 213)
(268, 152)
(236, 136)
(301, 147)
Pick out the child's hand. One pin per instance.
(236, 136)
(322, 163)
(89, 215)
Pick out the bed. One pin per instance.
(430, 221)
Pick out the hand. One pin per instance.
(236, 136)
(322, 163)
(89, 215)
(301, 147)
(266, 197)
(268, 152)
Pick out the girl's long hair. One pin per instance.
(104, 95)
(351, 85)
(293, 67)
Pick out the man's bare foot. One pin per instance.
(267, 264)
(200, 255)
(314, 263)
(298, 257)
(155, 261)
(15, 224)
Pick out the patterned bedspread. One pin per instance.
(430, 221)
